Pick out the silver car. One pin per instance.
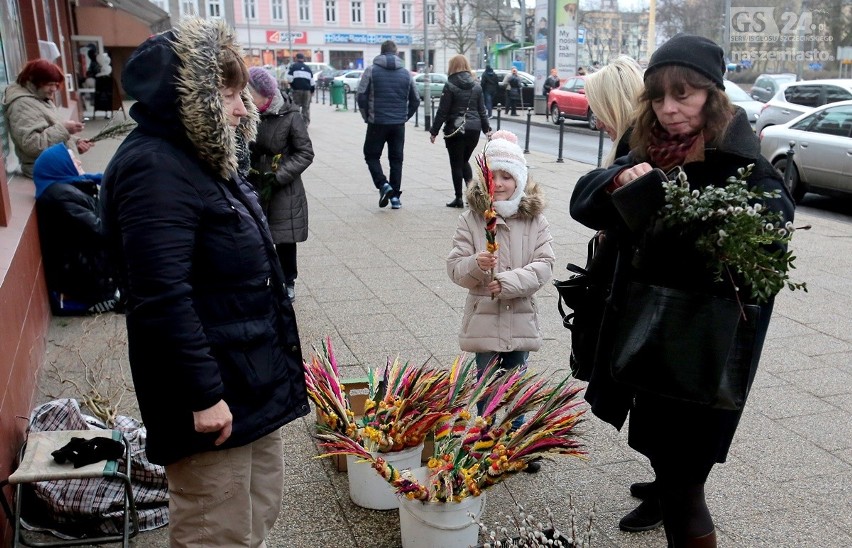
(739, 97)
(801, 97)
(822, 142)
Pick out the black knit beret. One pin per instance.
(695, 52)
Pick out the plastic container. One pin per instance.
(368, 489)
(439, 524)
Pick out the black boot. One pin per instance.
(643, 490)
(644, 517)
(457, 202)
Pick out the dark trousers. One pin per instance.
(460, 147)
(287, 258)
(374, 144)
(514, 99)
(489, 102)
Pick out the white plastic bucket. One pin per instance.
(439, 524)
(368, 489)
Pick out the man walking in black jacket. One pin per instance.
(302, 85)
(387, 98)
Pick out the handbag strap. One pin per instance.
(464, 117)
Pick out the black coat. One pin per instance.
(461, 96)
(207, 314)
(282, 130)
(659, 426)
(490, 82)
(73, 245)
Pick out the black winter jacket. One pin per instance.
(282, 131)
(208, 318)
(461, 96)
(490, 82)
(659, 426)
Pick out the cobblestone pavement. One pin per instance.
(375, 281)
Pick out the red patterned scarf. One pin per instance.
(667, 151)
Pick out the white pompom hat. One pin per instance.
(503, 152)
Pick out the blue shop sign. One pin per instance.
(363, 38)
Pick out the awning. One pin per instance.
(149, 13)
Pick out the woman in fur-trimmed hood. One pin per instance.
(213, 345)
(500, 312)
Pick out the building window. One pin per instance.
(382, 13)
(214, 8)
(277, 8)
(161, 4)
(431, 18)
(455, 15)
(304, 11)
(249, 9)
(356, 13)
(331, 11)
(406, 15)
(188, 8)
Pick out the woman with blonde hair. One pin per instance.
(613, 93)
(462, 113)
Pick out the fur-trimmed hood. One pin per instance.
(172, 76)
(532, 203)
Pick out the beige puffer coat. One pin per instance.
(525, 264)
(34, 124)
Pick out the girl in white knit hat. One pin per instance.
(500, 314)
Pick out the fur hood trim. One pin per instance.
(531, 205)
(174, 80)
(198, 45)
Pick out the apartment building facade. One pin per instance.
(342, 33)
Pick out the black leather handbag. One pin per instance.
(690, 347)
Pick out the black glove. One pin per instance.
(80, 451)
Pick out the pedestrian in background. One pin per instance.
(551, 82)
(280, 154)
(301, 80)
(500, 319)
(34, 121)
(387, 98)
(512, 84)
(684, 120)
(212, 339)
(490, 82)
(613, 93)
(462, 113)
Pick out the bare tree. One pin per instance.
(691, 16)
(457, 24)
(496, 17)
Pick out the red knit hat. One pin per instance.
(40, 72)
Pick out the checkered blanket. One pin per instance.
(76, 508)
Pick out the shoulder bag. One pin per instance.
(585, 295)
(457, 122)
(689, 347)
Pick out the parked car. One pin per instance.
(766, 85)
(436, 84)
(570, 100)
(822, 162)
(739, 97)
(323, 78)
(801, 97)
(527, 87)
(350, 79)
(319, 67)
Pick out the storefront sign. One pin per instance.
(280, 37)
(349, 38)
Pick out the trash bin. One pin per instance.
(338, 94)
(540, 104)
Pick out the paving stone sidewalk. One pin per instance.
(375, 281)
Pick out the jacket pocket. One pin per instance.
(253, 369)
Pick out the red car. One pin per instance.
(570, 100)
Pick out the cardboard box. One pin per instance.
(358, 390)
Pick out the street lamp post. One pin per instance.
(427, 99)
(289, 34)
